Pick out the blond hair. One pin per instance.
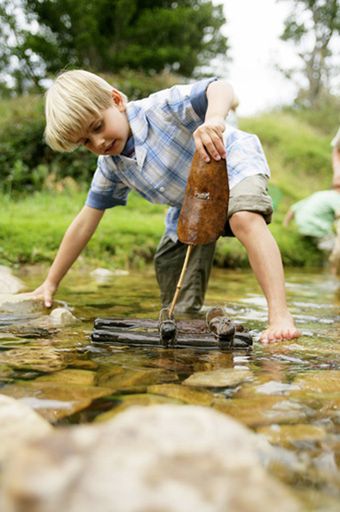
(71, 103)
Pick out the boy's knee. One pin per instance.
(243, 222)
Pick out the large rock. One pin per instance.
(164, 458)
(18, 424)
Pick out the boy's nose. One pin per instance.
(98, 142)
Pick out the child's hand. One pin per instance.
(209, 139)
(45, 292)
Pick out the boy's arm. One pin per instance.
(209, 136)
(75, 239)
(288, 218)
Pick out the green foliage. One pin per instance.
(296, 143)
(324, 118)
(312, 26)
(25, 159)
(107, 36)
(299, 155)
(35, 237)
(27, 163)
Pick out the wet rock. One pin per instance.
(276, 388)
(182, 393)
(43, 359)
(319, 381)
(262, 410)
(218, 378)
(71, 377)
(120, 379)
(61, 317)
(18, 424)
(168, 458)
(8, 282)
(291, 435)
(6, 373)
(103, 275)
(126, 401)
(54, 400)
(17, 312)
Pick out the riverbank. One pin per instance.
(31, 228)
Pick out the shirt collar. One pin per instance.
(129, 147)
(138, 122)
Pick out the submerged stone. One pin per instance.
(70, 377)
(218, 378)
(182, 393)
(121, 379)
(43, 359)
(261, 410)
(6, 373)
(276, 388)
(290, 435)
(54, 400)
(319, 381)
(126, 401)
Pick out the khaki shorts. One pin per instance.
(250, 195)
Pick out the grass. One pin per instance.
(32, 226)
(31, 229)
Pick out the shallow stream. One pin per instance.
(291, 393)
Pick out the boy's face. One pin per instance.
(108, 134)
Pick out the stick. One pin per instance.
(180, 281)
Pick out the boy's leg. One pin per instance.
(265, 259)
(250, 210)
(334, 257)
(169, 259)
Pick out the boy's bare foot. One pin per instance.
(281, 330)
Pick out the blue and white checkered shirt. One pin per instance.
(162, 126)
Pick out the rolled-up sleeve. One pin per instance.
(198, 96)
(106, 189)
(185, 103)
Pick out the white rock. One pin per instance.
(165, 458)
(61, 317)
(102, 275)
(18, 424)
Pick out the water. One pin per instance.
(292, 396)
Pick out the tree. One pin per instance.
(313, 26)
(108, 35)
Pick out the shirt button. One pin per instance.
(161, 189)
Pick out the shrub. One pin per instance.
(25, 160)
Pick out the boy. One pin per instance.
(148, 145)
(316, 216)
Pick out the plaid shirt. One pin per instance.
(162, 147)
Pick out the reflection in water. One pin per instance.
(292, 396)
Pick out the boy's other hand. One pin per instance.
(209, 139)
(45, 292)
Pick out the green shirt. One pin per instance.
(314, 216)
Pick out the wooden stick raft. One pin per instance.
(201, 221)
(144, 333)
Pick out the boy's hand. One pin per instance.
(209, 139)
(45, 292)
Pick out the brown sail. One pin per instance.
(205, 206)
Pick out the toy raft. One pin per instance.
(193, 334)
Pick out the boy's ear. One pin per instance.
(118, 100)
